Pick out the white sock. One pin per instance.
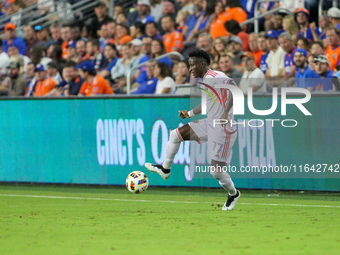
(225, 181)
(172, 148)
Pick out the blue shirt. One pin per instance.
(17, 42)
(308, 33)
(147, 87)
(325, 83)
(143, 76)
(111, 64)
(147, 19)
(192, 20)
(307, 77)
(263, 63)
(289, 62)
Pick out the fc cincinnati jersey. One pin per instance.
(218, 97)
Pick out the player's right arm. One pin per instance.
(185, 114)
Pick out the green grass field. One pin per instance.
(67, 220)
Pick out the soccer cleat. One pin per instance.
(231, 202)
(164, 173)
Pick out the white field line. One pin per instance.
(159, 201)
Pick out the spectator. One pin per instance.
(278, 22)
(4, 59)
(302, 43)
(305, 30)
(254, 48)
(11, 38)
(122, 35)
(235, 46)
(286, 43)
(122, 18)
(81, 51)
(220, 46)
(100, 18)
(304, 76)
(275, 59)
(183, 75)
(265, 7)
(166, 83)
(31, 79)
(44, 36)
(290, 26)
(17, 7)
(13, 51)
(111, 28)
(143, 7)
(151, 30)
(253, 77)
(88, 33)
(137, 54)
(31, 39)
(332, 51)
(76, 33)
(52, 71)
(158, 49)
(204, 22)
(140, 75)
(234, 29)
(39, 56)
(149, 85)
(310, 61)
(72, 52)
(215, 66)
(324, 83)
(187, 6)
(194, 18)
(94, 85)
(204, 42)
(317, 48)
(104, 37)
(66, 37)
(110, 54)
(181, 20)
(226, 64)
(334, 17)
(137, 30)
(56, 34)
(55, 53)
(156, 9)
(93, 49)
(233, 10)
(121, 69)
(44, 84)
(324, 23)
(169, 9)
(218, 21)
(262, 43)
(15, 85)
(173, 40)
(117, 10)
(72, 81)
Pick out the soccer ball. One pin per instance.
(137, 182)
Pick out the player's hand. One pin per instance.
(183, 114)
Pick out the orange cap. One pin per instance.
(10, 26)
(247, 54)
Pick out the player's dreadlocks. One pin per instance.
(200, 54)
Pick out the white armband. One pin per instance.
(191, 113)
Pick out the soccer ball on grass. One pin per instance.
(137, 182)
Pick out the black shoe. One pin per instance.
(231, 201)
(164, 173)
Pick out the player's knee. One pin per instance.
(175, 136)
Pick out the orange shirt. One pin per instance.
(173, 41)
(257, 56)
(64, 48)
(44, 87)
(121, 41)
(245, 40)
(217, 26)
(98, 86)
(333, 55)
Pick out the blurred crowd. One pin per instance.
(94, 57)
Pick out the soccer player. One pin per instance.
(220, 137)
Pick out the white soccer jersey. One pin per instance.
(215, 110)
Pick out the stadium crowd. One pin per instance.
(94, 57)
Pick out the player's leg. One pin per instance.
(226, 182)
(177, 136)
